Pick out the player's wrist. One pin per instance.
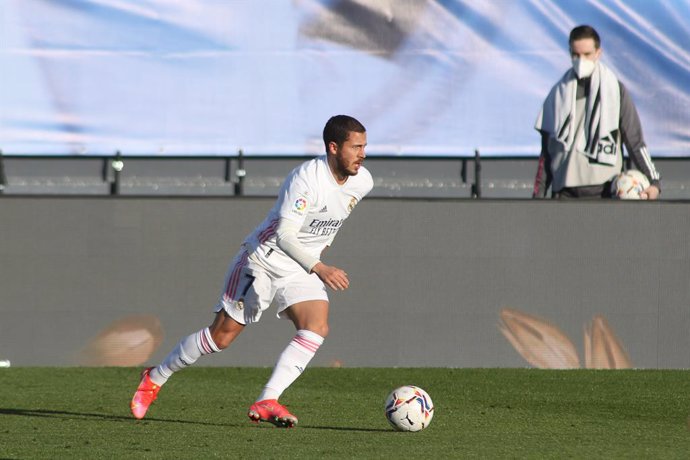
(316, 268)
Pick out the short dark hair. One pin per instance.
(584, 31)
(339, 127)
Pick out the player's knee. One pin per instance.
(321, 329)
(224, 333)
(222, 340)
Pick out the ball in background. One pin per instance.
(409, 408)
(629, 184)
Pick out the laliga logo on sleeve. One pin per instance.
(300, 204)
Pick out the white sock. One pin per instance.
(291, 363)
(184, 354)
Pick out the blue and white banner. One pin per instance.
(427, 77)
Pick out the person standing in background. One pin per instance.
(583, 123)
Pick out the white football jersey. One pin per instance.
(311, 198)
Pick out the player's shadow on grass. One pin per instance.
(93, 416)
(46, 413)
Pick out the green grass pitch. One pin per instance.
(479, 413)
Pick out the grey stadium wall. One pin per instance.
(457, 283)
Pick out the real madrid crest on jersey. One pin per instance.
(351, 206)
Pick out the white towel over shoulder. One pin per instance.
(557, 116)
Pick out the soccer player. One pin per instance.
(280, 260)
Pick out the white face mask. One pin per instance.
(583, 67)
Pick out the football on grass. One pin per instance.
(409, 408)
(629, 184)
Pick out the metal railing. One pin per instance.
(3, 178)
(228, 174)
(234, 172)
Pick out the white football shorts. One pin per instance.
(249, 290)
